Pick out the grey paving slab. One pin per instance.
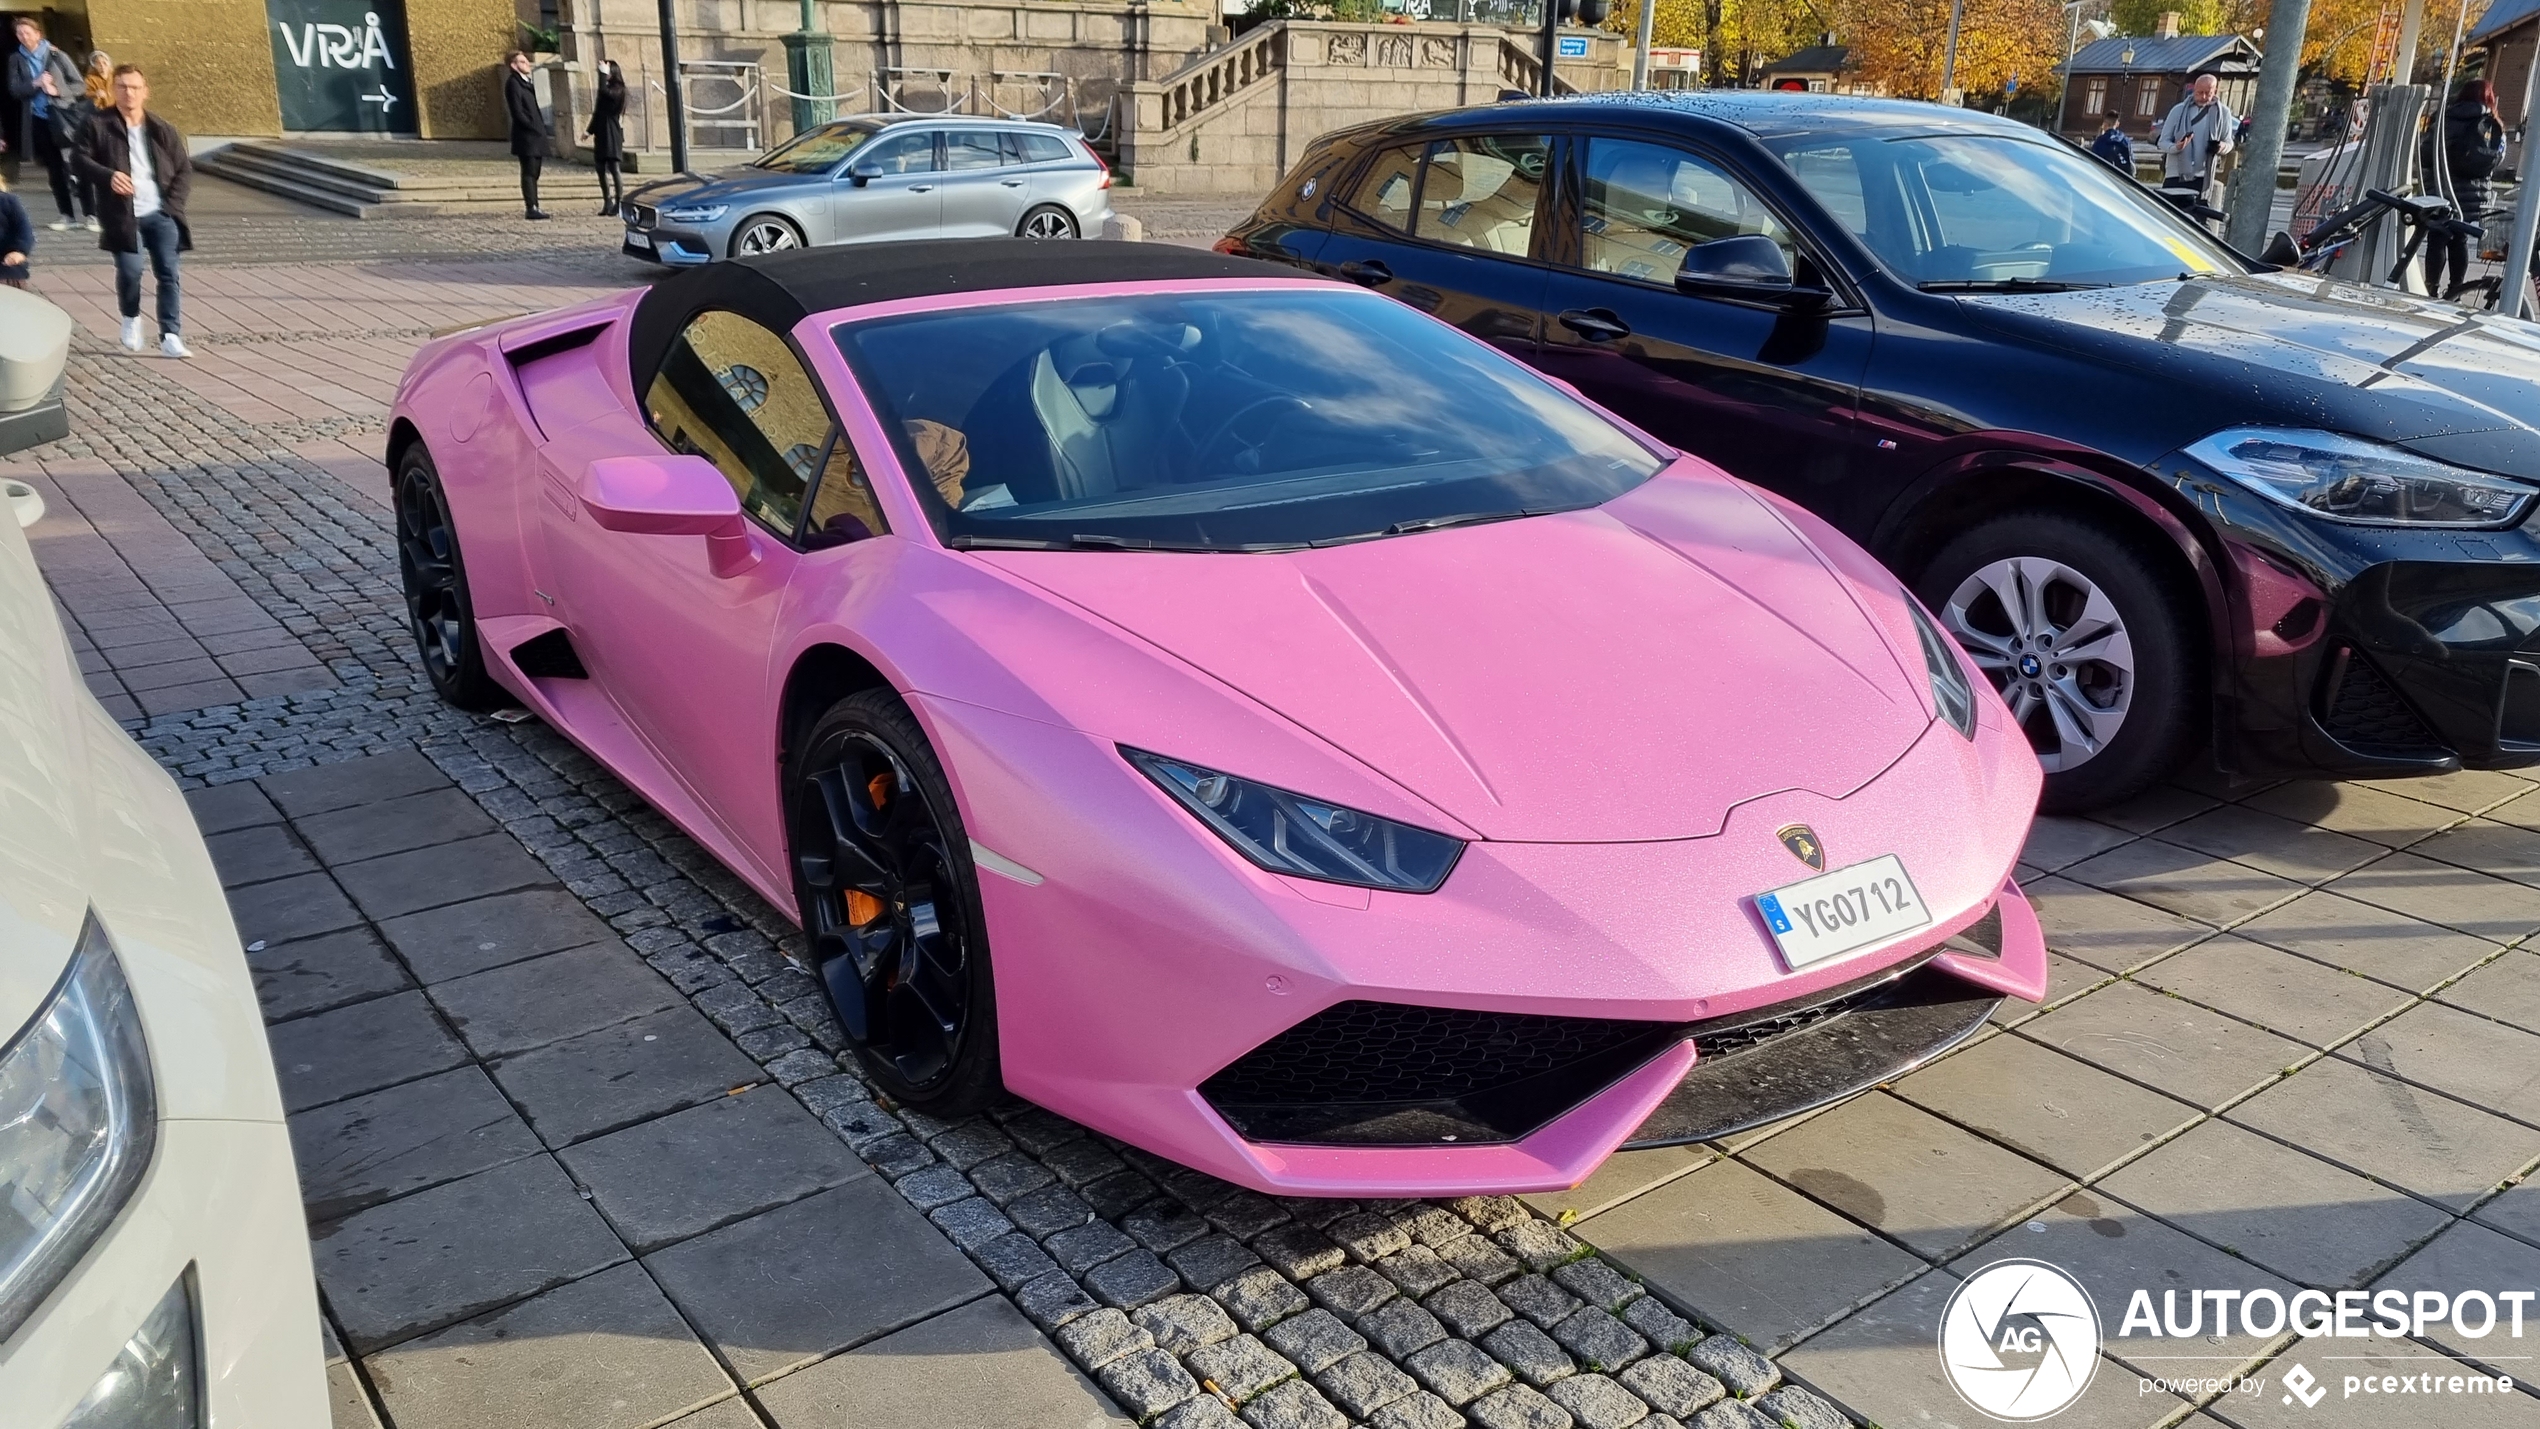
(420, 1262)
(481, 933)
(2467, 791)
(1879, 1366)
(2066, 1113)
(442, 874)
(2055, 843)
(354, 781)
(802, 1282)
(2066, 978)
(2343, 932)
(388, 826)
(290, 908)
(2155, 808)
(672, 1177)
(258, 853)
(2104, 930)
(360, 1048)
(2279, 846)
(2307, 1001)
(600, 1081)
(607, 1352)
(1901, 1170)
(980, 1364)
(545, 999)
(2507, 989)
(2515, 1211)
(2491, 908)
(2489, 847)
(314, 974)
(2113, 1250)
(2484, 1063)
(2414, 1139)
(2185, 882)
(1747, 1254)
(2391, 819)
(2345, 1406)
(2168, 1043)
(223, 807)
(2303, 1218)
(1623, 1175)
(364, 1150)
(2470, 1256)
(730, 1414)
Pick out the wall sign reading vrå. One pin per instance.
(340, 66)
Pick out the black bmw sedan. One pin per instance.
(2164, 494)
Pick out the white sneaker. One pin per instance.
(132, 334)
(90, 225)
(60, 225)
(170, 345)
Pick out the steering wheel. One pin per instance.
(1283, 404)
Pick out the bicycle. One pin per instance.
(2490, 289)
(2421, 215)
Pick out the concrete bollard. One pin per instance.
(1122, 227)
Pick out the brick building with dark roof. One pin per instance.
(2142, 76)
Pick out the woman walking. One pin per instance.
(2473, 145)
(607, 131)
(529, 129)
(100, 82)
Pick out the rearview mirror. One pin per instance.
(1745, 266)
(864, 171)
(670, 496)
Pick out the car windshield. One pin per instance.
(814, 151)
(1973, 211)
(1223, 421)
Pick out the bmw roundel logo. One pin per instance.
(2029, 666)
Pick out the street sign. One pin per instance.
(340, 66)
(1573, 47)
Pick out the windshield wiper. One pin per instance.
(1098, 541)
(2002, 285)
(1469, 518)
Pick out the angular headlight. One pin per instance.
(2364, 483)
(78, 1120)
(1306, 838)
(1949, 688)
(696, 213)
(156, 1383)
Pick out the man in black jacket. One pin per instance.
(136, 161)
(529, 129)
(44, 84)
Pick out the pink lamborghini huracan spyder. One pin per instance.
(1234, 710)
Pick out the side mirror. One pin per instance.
(2282, 251)
(863, 171)
(1746, 266)
(670, 496)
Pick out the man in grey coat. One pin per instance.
(2198, 130)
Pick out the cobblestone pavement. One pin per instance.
(2292, 1042)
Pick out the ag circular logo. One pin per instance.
(2019, 1341)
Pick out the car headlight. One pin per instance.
(696, 213)
(78, 1120)
(1306, 838)
(1949, 687)
(2364, 483)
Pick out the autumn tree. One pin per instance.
(1902, 43)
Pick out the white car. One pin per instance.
(154, 1259)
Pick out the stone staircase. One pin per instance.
(398, 178)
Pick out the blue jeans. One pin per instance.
(158, 235)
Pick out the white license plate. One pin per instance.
(639, 240)
(1833, 913)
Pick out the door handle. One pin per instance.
(1371, 273)
(1595, 324)
(1011, 183)
(921, 188)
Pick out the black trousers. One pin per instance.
(612, 183)
(530, 164)
(2442, 249)
(67, 192)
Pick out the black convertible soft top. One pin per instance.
(778, 290)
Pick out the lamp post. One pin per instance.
(1949, 57)
(809, 71)
(670, 87)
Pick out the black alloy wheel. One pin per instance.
(435, 579)
(890, 904)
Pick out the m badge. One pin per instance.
(1801, 840)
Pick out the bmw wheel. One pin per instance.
(435, 579)
(890, 903)
(1047, 221)
(765, 234)
(2087, 644)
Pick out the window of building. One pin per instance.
(732, 392)
(1647, 204)
(2147, 98)
(2094, 98)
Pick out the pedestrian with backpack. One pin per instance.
(2473, 147)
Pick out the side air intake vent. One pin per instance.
(549, 657)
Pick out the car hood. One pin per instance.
(44, 859)
(720, 183)
(1626, 673)
(2433, 369)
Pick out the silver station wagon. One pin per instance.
(875, 178)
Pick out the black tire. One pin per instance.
(434, 573)
(869, 815)
(785, 235)
(2122, 714)
(1048, 220)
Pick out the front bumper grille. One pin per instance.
(1391, 1074)
(2365, 712)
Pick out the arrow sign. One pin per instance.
(383, 99)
